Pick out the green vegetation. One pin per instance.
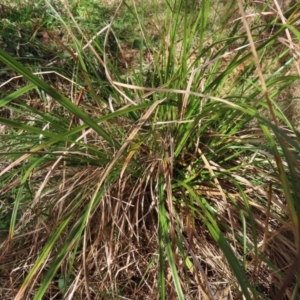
(149, 150)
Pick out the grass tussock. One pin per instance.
(149, 150)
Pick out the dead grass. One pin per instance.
(121, 242)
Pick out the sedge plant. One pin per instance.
(155, 165)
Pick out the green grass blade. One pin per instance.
(15, 65)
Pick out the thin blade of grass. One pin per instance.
(15, 65)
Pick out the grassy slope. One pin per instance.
(158, 162)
